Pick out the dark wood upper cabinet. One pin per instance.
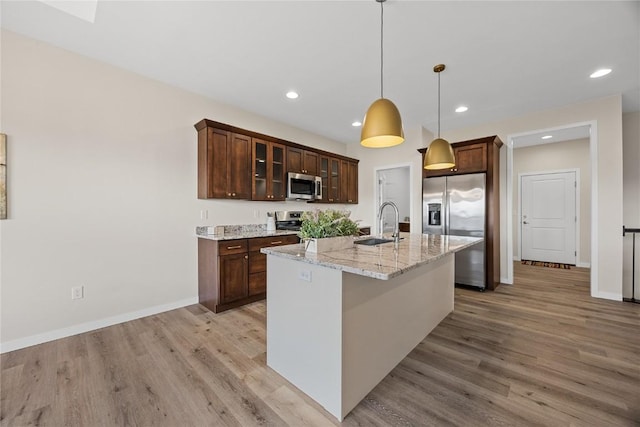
(471, 157)
(236, 163)
(348, 182)
(239, 155)
(352, 182)
(331, 183)
(223, 164)
(302, 161)
(268, 172)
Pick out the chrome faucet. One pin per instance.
(396, 229)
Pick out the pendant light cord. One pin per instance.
(381, 49)
(438, 105)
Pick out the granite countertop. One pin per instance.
(384, 261)
(240, 234)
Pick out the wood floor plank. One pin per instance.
(540, 352)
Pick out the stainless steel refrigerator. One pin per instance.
(456, 205)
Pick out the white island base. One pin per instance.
(337, 335)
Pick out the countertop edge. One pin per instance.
(308, 259)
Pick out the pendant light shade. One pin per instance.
(439, 154)
(382, 125)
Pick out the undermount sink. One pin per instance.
(372, 241)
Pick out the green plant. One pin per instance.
(328, 223)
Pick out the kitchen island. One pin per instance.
(339, 322)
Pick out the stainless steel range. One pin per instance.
(288, 220)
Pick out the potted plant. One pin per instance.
(327, 230)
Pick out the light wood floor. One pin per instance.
(541, 352)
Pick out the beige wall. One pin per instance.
(372, 159)
(606, 238)
(102, 192)
(631, 188)
(553, 157)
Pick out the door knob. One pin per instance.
(525, 222)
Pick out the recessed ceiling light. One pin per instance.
(292, 95)
(356, 124)
(599, 73)
(547, 137)
(461, 109)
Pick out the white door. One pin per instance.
(548, 217)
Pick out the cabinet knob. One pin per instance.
(228, 194)
(246, 257)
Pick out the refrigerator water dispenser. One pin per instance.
(434, 214)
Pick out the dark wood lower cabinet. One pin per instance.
(232, 273)
(233, 277)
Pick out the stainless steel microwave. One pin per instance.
(303, 187)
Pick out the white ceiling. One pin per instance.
(503, 58)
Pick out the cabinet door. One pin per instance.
(471, 158)
(268, 171)
(334, 180)
(213, 164)
(329, 171)
(233, 277)
(277, 172)
(348, 181)
(344, 180)
(259, 173)
(238, 167)
(294, 160)
(310, 162)
(352, 182)
(324, 174)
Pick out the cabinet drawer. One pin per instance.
(265, 242)
(226, 247)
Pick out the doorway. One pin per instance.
(548, 217)
(510, 229)
(393, 185)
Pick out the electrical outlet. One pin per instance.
(256, 213)
(304, 275)
(77, 292)
(204, 214)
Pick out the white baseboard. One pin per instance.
(517, 258)
(505, 281)
(607, 295)
(93, 325)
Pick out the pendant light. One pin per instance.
(382, 125)
(439, 155)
